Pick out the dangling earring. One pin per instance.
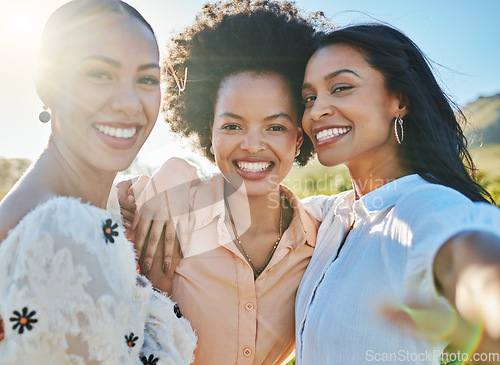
(212, 150)
(297, 151)
(45, 115)
(399, 121)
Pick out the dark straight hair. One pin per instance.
(434, 145)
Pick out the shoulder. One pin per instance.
(66, 220)
(427, 199)
(67, 232)
(319, 206)
(439, 211)
(65, 215)
(17, 205)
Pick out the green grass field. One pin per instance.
(315, 179)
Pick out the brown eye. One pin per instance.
(276, 128)
(339, 89)
(231, 127)
(309, 100)
(149, 80)
(99, 75)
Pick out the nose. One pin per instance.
(321, 108)
(253, 142)
(126, 100)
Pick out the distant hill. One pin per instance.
(483, 115)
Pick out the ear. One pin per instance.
(300, 137)
(44, 90)
(403, 108)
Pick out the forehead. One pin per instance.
(335, 57)
(254, 86)
(111, 34)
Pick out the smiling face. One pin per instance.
(349, 113)
(105, 98)
(255, 133)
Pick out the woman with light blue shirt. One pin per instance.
(416, 229)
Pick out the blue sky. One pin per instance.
(461, 35)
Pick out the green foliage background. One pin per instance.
(315, 179)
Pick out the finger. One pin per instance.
(137, 188)
(123, 196)
(185, 226)
(152, 246)
(128, 218)
(140, 237)
(124, 186)
(136, 220)
(169, 245)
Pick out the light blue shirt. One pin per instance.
(387, 259)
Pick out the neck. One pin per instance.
(375, 171)
(67, 175)
(263, 214)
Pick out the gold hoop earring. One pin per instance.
(297, 151)
(212, 150)
(399, 121)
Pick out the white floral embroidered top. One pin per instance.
(70, 294)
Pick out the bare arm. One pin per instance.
(467, 273)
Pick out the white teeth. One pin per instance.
(253, 166)
(332, 132)
(123, 133)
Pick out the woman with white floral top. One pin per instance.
(69, 289)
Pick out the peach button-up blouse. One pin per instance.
(239, 320)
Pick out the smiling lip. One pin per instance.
(328, 134)
(117, 135)
(253, 169)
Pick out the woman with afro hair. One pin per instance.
(251, 239)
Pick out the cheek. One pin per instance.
(306, 124)
(152, 106)
(287, 146)
(223, 144)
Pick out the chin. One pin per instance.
(115, 165)
(328, 161)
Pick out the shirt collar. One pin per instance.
(303, 227)
(379, 199)
(209, 205)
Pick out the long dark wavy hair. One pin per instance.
(434, 144)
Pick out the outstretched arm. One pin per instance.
(467, 273)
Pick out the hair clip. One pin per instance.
(181, 84)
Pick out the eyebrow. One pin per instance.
(271, 117)
(332, 75)
(230, 115)
(117, 64)
(279, 115)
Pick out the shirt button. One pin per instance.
(249, 306)
(247, 352)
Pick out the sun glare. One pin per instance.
(21, 23)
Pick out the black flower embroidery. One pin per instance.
(177, 311)
(23, 320)
(131, 339)
(109, 230)
(152, 360)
